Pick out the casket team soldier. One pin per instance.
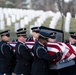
(72, 38)
(71, 70)
(41, 57)
(72, 41)
(35, 34)
(6, 54)
(20, 30)
(52, 37)
(23, 55)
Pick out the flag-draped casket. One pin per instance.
(68, 51)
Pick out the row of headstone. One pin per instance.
(2, 25)
(43, 17)
(55, 20)
(16, 26)
(8, 21)
(14, 15)
(67, 22)
(1, 16)
(10, 15)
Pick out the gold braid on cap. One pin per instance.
(52, 34)
(21, 34)
(4, 33)
(74, 34)
(43, 36)
(35, 29)
(22, 30)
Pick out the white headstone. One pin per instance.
(2, 16)
(13, 18)
(16, 26)
(26, 20)
(21, 14)
(6, 15)
(9, 21)
(2, 25)
(67, 22)
(55, 19)
(30, 28)
(22, 25)
(1, 10)
(75, 16)
(17, 17)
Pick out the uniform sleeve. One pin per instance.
(25, 53)
(43, 54)
(7, 52)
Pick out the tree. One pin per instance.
(9, 4)
(44, 5)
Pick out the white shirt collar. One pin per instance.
(40, 43)
(21, 42)
(33, 38)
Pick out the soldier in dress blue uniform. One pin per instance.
(23, 55)
(20, 30)
(6, 54)
(71, 70)
(72, 41)
(35, 34)
(52, 37)
(72, 38)
(41, 57)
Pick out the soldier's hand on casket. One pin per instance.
(68, 54)
(59, 54)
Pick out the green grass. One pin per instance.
(30, 23)
(47, 22)
(59, 24)
(73, 25)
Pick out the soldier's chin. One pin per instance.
(8, 41)
(45, 44)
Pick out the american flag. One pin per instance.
(68, 51)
